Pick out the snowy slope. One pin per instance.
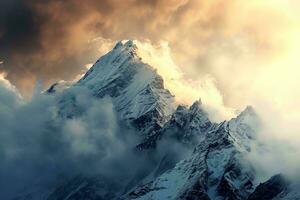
(136, 89)
(275, 187)
(216, 169)
(186, 125)
(135, 86)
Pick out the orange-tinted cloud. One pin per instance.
(216, 38)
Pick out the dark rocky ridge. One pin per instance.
(215, 170)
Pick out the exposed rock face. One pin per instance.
(217, 168)
(78, 188)
(270, 189)
(186, 125)
(137, 90)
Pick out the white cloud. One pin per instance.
(35, 136)
(186, 90)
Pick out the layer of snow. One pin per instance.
(139, 96)
(134, 85)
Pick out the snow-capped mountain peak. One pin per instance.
(247, 112)
(246, 124)
(135, 87)
(215, 167)
(129, 45)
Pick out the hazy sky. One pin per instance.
(249, 48)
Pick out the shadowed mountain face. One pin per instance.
(136, 89)
(192, 158)
(270, 189)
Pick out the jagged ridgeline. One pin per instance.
(192, 158)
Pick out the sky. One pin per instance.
(229, 53)
(52, 149)
(247, 51)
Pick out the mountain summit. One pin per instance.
(192, 158)
(137, 90)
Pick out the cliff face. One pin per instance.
(216, 168)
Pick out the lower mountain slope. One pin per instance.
(215, 170)
(183, 155)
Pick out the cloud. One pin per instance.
(231, 44)
(206, 37)
(46, 144)
(49, 146)
(248, 50)
(186, 90)
(225, 52)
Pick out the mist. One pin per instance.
(228, 53)
(46, 141)
(37, 146)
